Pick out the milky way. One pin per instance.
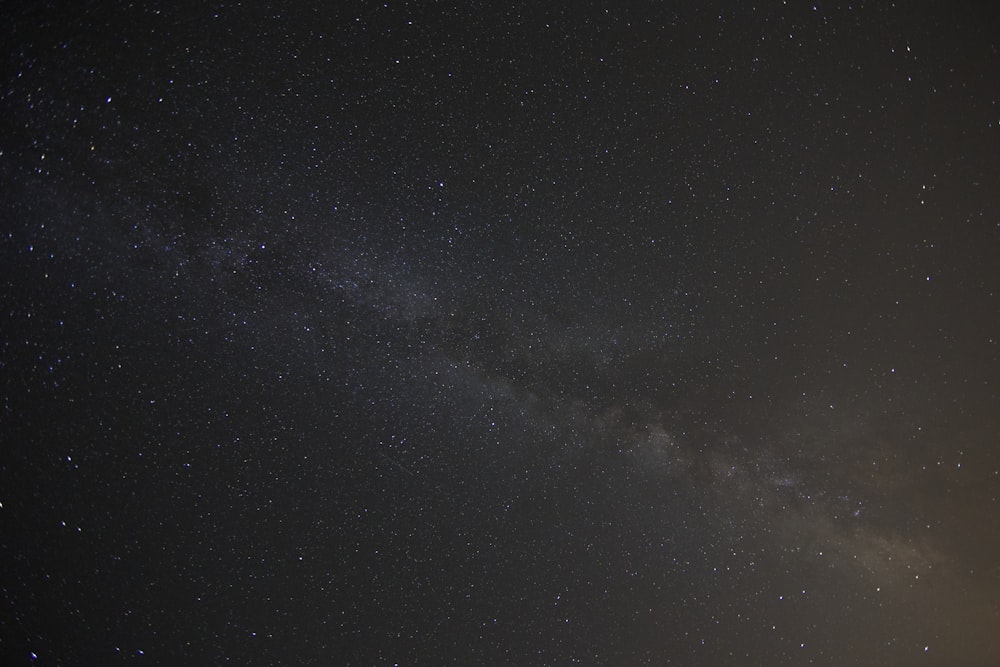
(407, 333)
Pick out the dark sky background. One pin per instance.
(424, 333)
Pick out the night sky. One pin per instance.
(423, 333)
